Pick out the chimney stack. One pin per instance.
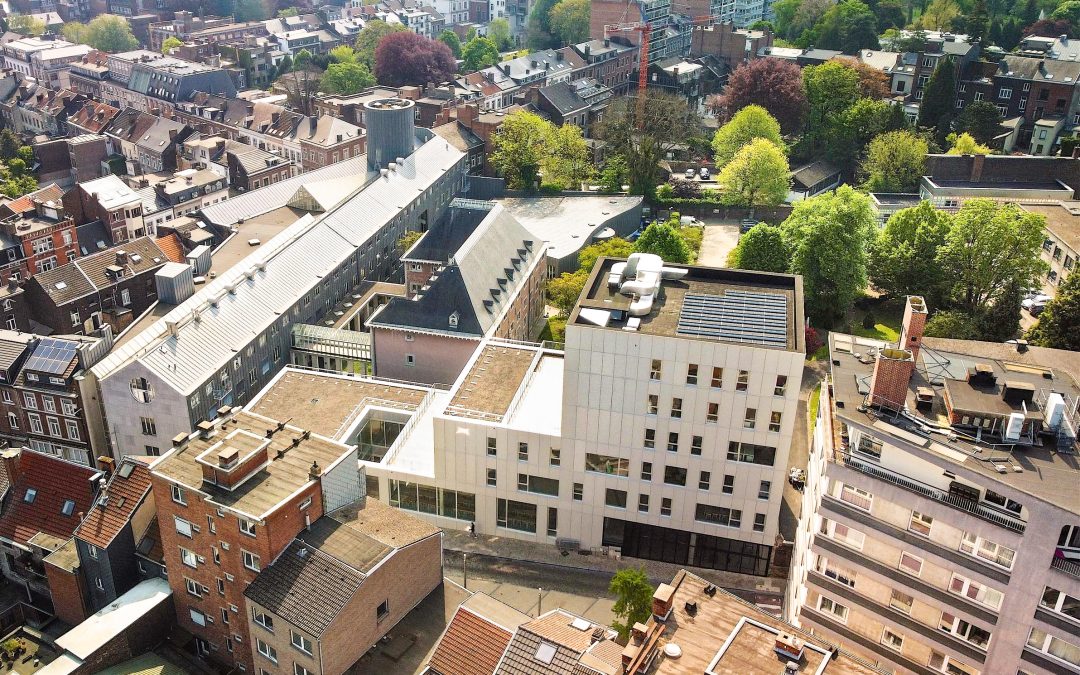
(977, 168)
(911, 329)
(892, 373)
(121, 258)
(662, 601)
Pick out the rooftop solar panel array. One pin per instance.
(51, 356)
(736, 316)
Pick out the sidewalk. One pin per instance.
(546, 554)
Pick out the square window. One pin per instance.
(300, 642)
(178, 495)
(892, 640)
(729, 484)
(251, 561)
(920, 523)
(901, 601)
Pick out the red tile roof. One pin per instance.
(26, 202)
(471, 645)
(55, 481)
(103, 523)
(170, 245)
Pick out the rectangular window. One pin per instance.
(650, 439)
(646, 471)
(552, 521)
(717, 381)
(247, 526)
(197, 617)
(744, 380)
(383, 610)
(729, 484)
(616, 498)
(606, 464)
(266, 650)
(1054, 646)
(892, 640)
(149, 426)
(695, 445)
(973, 590)
(654, 371)
(183, 527)
(764, 488)
(750, 418)
(579, 492)
(643, 503)
(835, 572)
(492, 477)
(830, 606)
(674, 475)
(523, 452)
(749, 452)
(538, 485)
(676, 408)
(31, 401)
(492, 447)
(1056, 601)
(188, 557)
(704, 478)
(911, 564)
(691, 373)
(713, 413)
(759, 522)
(555, 457)
(901, 601)
(920, 523)
(673, 441)
(251, 561)
(1005, 93)
(300, 642)
(856, 497)
(178, 495)
(193, 587)
(652, 405)
(781, 385)
(987, 550)
(665, 506)
(774, 422)
(515, 515)
(718, 515)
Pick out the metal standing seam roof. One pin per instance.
(258, 202)
(291, 264)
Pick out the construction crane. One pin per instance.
(645, 30)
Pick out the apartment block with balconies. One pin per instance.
(941, 520)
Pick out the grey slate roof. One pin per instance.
(564, 98)
(86, 275)
(90, 235)
(488, 270)
(442, 241)
(811, 174)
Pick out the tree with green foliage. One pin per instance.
(170, 43)
(763, 249)
(303, 60)
(938, 15)
(26, 24)
(990, 247)
(479, 53)
(939, 100)
(564, 290)
(407, 240)
(1069, 11)
(451, 40)
(251, 10)
(519, 148)
(633, 599)
(903, 254)
(897, 120)
(368, 39)
(569, 21)
(831, 89)
(965, 144)
(951, 323)
(105, 32)
(975, 22)
(667, 122)
(827, 236)
(1001, 320)
(287, 12)
(614, 175)
(751, 122)
(1059, 323)
(759, 175)
(848, 26)
(9, 145)
(343, 54)
(663, 239)
(346, 78)
(859, 125)
(784, 15)
(894, 162)
(889, 14)
(616, 247)
(538, 28)
(567, 160)
(981, 119)
(499, 31)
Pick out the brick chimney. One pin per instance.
(977, 168)
(911, 329)
(892, 373)
(10, 459)
(467, 114)
(663, 600)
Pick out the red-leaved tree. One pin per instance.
(407, 58)
(774, 84)
(1049, 28)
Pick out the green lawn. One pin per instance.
(880, 331)
(821, 354)
(887, 318)
(555, 330)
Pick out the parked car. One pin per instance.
(704, 173)
(690, 173)
(1035, 305)
(747, 225)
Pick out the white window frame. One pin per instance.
(984, 595)
(986, 550)
(838, 611)
(300, 642)
(898, 645)
(189, 558)
(183, 527)
(908, 570)
(266, 650)
(251, 560)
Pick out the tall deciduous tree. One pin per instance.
(170, 43)
(367, 40)
(990, 247)
(939, 100)
(106, 32)
(847, 26)
(831, 88)
(569, 21)
(751, 122)
(25, 24)
(407, 58)
(981, 119)
(894, 162)
(667, 122)
(757, 176)
(1059, 323)
(451, 40)
(538, 29)
(762, 248)
(827, 236)
(343, 54)
(965, 144)
(633, 599)
(774, 84)
(479, 53)
(346, 78)
(251, 10)
(938, 15)
(903, 256)
(519, 148)
(499, 31)
(860, 124)
(567, 160)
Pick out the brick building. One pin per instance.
(36, 235)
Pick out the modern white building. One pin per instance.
(227, 341)
(661, 432)
(940, 526)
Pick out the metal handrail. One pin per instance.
(934, 493)
(1066, 566)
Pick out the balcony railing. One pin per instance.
(1066, 566)
(938, 495)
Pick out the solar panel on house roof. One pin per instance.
(736, 316)
(51, 356)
